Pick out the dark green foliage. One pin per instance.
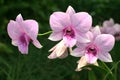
(36, 65)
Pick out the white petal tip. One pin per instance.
(40, 46)
(78, 69)
(49, 57)
(110, 60)
(25, 53)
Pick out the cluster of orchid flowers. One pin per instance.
(71, 29)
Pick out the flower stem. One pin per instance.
(111, 70)
(45, 33)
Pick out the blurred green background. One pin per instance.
(36, 65)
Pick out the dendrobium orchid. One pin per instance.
(109, 27)
(70, 26)
(22, 32)
(98, 47)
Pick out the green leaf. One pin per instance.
(91, 75)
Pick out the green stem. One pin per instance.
(111, 70)
(45, 33)
(107, 67)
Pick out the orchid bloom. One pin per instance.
(109, 27)
(70, 26)
(98, 47)
(22, 32)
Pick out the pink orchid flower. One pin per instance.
(109, 27)
(22, 32)
(70, 26)
(98, 47)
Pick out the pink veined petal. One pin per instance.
(89, 36)
(81, 45)
(82, 21)
(23, 44)
(59, 20)
(91, 59)
(105, 42)
(56, 36)
(14, 30)
(96, 31)
(23, 48)
(70, 11)
(78, 52)
(105, 56)
(69, 42)
(83, 38)
(31, 28)
(37, 43)
(19, 18)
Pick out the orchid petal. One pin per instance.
(19, 18)
(82, 21)
(82, 38)
(64, 55)
(14, 30)
(96, 31)
(31, 28)
(15, 42)
(59, 20)
(105, 42)
(56, 36)
(70, 11)
(69, 42)
(78, 52)
(23, 48)
(108, 23)
(37, 43)
(105, 56)
(81, 63)
(91, 59)
(23, 44)
(52, 55)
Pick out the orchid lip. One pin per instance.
(92, 49)
(117, 34)
(24, 39)
(69, 32)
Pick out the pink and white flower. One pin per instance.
(98, 47)
(109, 27)
(22, 32)
(70, 26)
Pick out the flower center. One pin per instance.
(24, 40)
(117, 34)
(69, 32)
(92, 50)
